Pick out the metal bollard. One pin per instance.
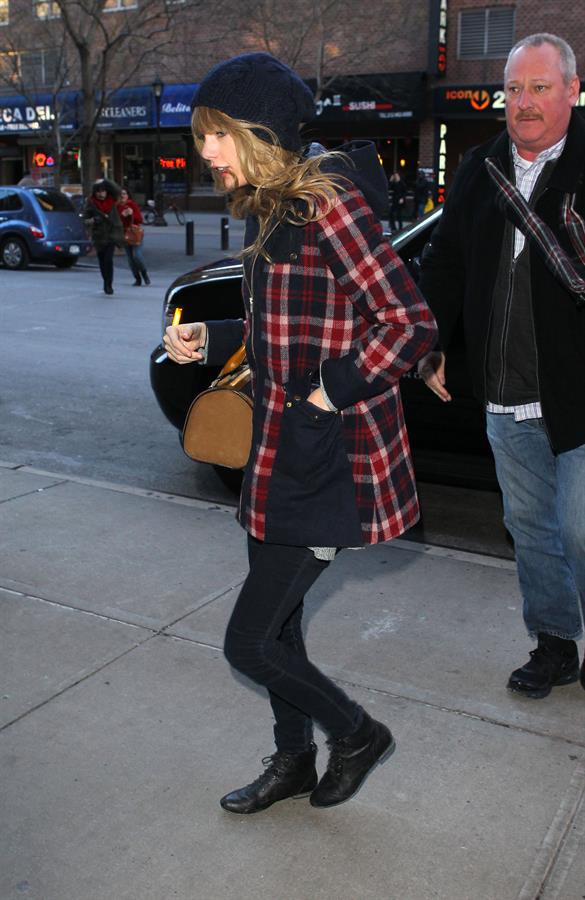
(225, 233)
(189, 239)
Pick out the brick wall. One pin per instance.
(561, 17)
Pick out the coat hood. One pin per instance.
(110, 186)
(363, 168)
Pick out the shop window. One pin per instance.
(486, 33)
(4, 17)
(112, 5)
(46, 9)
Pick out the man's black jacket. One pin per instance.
(459, 271)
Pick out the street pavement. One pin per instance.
(121, 724)
(165, 247)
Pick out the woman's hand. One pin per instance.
(317, 399)
(183, 342)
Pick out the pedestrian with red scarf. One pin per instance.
(102, 217)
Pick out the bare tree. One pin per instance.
(103, 45)
(322, 39)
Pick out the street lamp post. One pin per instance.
(157, 89)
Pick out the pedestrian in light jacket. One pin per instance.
(333, 320)
(102, 218)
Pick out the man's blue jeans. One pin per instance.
(544, 511)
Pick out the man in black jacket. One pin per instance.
(524, 323)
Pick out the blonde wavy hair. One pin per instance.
(280, 186)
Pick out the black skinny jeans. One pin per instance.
(105, 257)
(264, 641)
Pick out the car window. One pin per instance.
(10, 201)
(52, 201)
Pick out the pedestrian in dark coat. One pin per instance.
(524, 324)
(333, 320)
(397, 197)
(422, 192)
(102, 218)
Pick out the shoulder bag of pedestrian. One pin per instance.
(134, 235)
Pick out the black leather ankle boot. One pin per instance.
(554, 662)
(286, 775)
(351, 760)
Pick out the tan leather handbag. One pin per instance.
(218, 427)
(134, 235)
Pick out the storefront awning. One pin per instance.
(377, 97)
(27, 115)
(131, 107)
(175, 108)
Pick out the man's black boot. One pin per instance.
(351, 760)
(286, 775)
(137, 280)
(146, 277)
(555, 661)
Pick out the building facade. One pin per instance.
(421, 80)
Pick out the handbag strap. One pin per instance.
(234, 362)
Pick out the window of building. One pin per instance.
(4, 12)
(486, 33)
(46, 9)
(30, 69)
(39, 67)
(9, 67)
(111, 5)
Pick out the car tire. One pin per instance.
(148, 216)
(65, 263)
(14, 253)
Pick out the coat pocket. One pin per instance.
(311, 497)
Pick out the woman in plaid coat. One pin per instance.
(332, 322)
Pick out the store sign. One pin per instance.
(42, 160)
(128, 108)
(441, 163)
(470, 102)
(172, 163)
(175, 108)
(371, 97)
(475, 101)
(438, 38)
(19, 115)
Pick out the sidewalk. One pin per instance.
(122, 724)
(164, 248)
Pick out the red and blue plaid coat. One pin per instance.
(334, 301)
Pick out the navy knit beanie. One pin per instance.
(258, 88)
